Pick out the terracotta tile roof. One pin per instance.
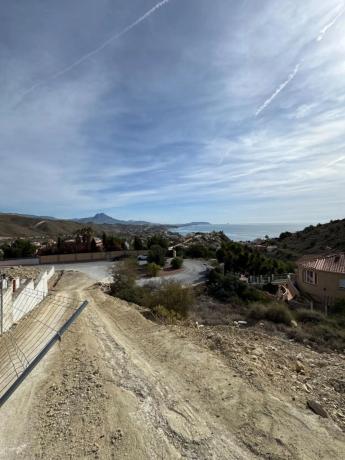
(334, 263)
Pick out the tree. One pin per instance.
(138, 243)
(59, 244)
(104, 240)
(19, 248)
(158, 240)
(85, 235)
(157, 255)
(176, 263)
(93, 245)
(197, 251)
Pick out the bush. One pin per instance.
(279, 313)
(276, 313)
(198, 251)
(257, 312)
(158, 240)
(168, 315)
(174, 297)
(309, 316)
(229, 287)
(338, 308)
(153, 269)
(176, 263)
(123, 285)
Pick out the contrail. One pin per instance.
(281, 87)
(331, 24)
(96, 50)
(293, 74)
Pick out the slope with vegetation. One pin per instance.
(314, 239)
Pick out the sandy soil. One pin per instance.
(120, 386)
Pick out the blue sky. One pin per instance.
(218, 110)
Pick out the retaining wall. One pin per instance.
(86, 256)
(17, 304)
(15, 262)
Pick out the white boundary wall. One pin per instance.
(15, 306)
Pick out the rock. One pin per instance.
(240, 323)
(317, 408)
(116, 436)
(299, 367)
(257, 352)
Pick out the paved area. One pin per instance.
(193, 272)
(98, 271)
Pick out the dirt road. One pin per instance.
(119, 386)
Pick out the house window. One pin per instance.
(310, 277)
(342, 283)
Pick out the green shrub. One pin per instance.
(176, 263)
(174, 297)
(309, 316)
(153, 269)
(158, 240)
(257, 312)
(133, 294)
(338, 308)
(163, 313)
(229, 287)
(279, 313)
(199, 251)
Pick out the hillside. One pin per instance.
(16, 225)
(318, 239)
(13, 225)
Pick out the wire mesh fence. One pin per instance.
(27, 340)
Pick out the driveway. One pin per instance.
(193, 272)
(99, 271)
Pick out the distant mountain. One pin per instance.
(101, 219)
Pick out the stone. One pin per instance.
(317, 408)
(299, 367)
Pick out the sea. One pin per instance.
(242, 232)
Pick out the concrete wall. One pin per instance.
(15, 262)
(326, 290)
(17, 304)
(86, 257)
